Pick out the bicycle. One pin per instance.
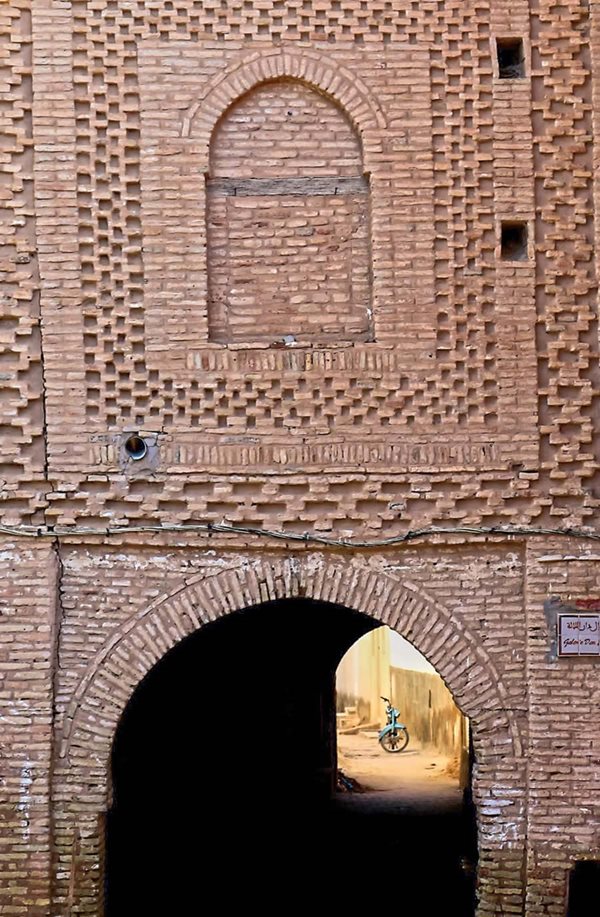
(394, 735)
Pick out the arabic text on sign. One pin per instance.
(579, 635)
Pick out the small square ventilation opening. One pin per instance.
(513, 241)
(584, 889)
(511, 58)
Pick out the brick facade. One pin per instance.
(267, 238)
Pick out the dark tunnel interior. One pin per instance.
(223, 777)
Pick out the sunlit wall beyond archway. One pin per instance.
(383, 663)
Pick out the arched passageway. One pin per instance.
(223, 776)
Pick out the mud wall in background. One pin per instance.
(429, 712)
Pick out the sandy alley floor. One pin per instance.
(414, 773)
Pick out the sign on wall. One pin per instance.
(579, 634)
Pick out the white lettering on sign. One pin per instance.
(579, 635)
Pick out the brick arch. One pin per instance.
(309, 67)
(139, 643)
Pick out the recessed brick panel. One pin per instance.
(289, 267)
(288, 237)
(285, 129)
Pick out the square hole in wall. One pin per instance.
(584, 889)
(511, 58)
(513, 241)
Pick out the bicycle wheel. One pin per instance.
(395, 741)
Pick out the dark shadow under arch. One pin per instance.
(223, 768)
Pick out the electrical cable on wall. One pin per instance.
(224, 528)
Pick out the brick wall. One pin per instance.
(27, 666)
(111, 637)
(288, 221)
(21, 407)
(564, 746)
(395, 372)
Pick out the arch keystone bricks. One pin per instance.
(310, 67)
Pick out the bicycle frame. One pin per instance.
(393, 723)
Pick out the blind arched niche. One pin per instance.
(287, 221)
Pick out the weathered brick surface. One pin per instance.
(288, 221)
(564, 744)
(27, 665)
(21, 410)
(308, 315)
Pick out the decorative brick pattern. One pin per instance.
(21, 409)
(458, 360)
(424, 380)
(567, 292)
